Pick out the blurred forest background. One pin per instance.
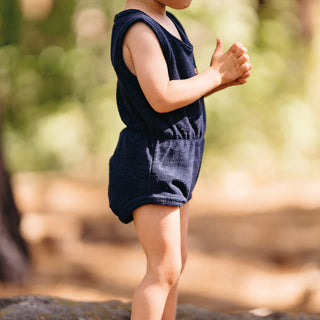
(255, 226)
(58, 86)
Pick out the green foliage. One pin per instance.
(57, 86)
(57, 94)
(10, 22)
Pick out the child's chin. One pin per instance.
(178, 4)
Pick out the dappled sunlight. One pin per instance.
(36, 9)
(90, 26)
(255, 214)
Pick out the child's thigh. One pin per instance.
(159, 231)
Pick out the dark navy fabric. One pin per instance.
(158, 155)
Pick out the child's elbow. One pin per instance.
(161, 108)
(162, 105)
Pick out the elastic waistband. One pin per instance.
(161, 137)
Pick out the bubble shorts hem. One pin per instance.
(125, 214)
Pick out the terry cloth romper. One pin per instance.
(158, 155)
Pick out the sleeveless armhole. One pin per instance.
(119, 33)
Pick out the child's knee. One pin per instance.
(168, 274)
(172, 276)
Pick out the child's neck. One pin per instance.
(150, 7)
(157, 11)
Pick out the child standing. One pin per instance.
(158, 156)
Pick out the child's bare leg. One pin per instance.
(158, 229)
(171, 304)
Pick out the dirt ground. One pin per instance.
(252, 247)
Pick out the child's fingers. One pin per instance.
(238, 49)
(242, 80)
(219, 47)
(236, 46)
(245, 76)
(243, 58)
(244, 50)
(245, 67)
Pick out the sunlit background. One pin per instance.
(255, 222)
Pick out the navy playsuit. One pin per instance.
(158, 155)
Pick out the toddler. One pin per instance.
(158, 156)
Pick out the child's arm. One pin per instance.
(164, 95)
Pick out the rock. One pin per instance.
(43, 308)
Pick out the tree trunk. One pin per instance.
(14, 257)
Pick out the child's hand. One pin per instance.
(233, 66)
